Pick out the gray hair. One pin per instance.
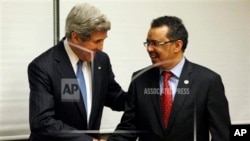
(84, 19)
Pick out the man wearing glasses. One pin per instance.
(174, 99)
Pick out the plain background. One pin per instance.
(219, 38)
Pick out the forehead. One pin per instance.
(158, 33)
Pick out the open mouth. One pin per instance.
(153, 56)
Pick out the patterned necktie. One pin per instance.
(166, 99)
(81, 82)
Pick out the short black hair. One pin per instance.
(177, 30)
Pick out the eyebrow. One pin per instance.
(152, 40)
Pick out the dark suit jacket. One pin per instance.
(199, 106)
(51, 118)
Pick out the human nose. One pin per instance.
(150, 48)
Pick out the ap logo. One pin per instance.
(70, 91)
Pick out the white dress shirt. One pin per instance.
(86, 72)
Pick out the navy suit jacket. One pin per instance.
(52, 118)
(199, 106)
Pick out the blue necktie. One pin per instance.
(81, 81)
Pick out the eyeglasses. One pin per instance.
(156, 43)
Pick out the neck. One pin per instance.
(171, 63)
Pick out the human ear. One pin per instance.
(178, 46)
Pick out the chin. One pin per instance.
(158, 64)
(154, 61)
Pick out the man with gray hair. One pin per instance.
(71, 82)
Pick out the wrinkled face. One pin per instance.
(89, 47)
(160, 49)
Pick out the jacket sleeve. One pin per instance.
(127, 129)
(116, 97)
(43, 124)
(218, 111)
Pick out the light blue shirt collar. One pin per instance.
(173, 81)
(177, 69)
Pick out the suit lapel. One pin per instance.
(155, 83)
(96, 69)
(64, 68)
(183, 90)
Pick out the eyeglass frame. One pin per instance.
(156, 43)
